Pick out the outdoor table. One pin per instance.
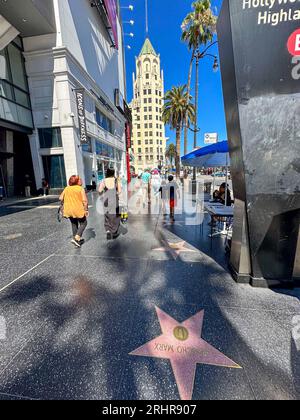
(219, 210)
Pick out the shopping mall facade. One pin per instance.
(49, 51)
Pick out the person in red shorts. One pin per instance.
(173, 196)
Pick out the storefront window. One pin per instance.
(87, 147)
(50, 137)
(54, 168)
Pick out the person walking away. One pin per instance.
(146, 181)
(111, 187)
(156, 182)
(75, 208)
(28, 184)
(173, 196)
(45, 187)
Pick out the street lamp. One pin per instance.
(198, 56)
(130, 7)
(129, 22)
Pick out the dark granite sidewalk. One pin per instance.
(73, 316)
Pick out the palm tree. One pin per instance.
(178, 109)
(171, 154)
(198, 28)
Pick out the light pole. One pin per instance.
(199, 56)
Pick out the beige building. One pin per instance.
(148, 134)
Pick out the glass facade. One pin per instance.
(54, 168)
(50, 137)
(14, 93)
(103, 121)
(108, 157)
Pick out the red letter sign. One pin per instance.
(294, 43)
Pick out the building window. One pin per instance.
(54, 169)
(145, 117)
(49, 138)
(145, 109)
(146, 125)
(139, 134)
(140, 142)
(149, 91)
(103, 121)
(145, 91)
(145, 100)
(15, 102)
(150, 108)
(87, 147)
(147, 76)
(150, 117)
(139, 150)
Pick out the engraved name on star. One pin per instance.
(182, 344)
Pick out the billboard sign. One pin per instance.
(210, 138)
(111, 8)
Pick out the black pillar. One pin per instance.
(261, 83)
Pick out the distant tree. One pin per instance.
(178, 109)
(198, 28)
(171, 154)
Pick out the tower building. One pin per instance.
(148, 136)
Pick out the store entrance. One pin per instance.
(23, 166)
(16, 168)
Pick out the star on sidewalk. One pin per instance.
(174, 248)
(182, 344)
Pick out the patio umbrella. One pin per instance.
(212, 156)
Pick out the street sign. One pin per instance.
(210, 138)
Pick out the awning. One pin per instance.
(212, 156)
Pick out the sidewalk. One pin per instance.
(75, 317)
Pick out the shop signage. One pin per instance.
(81, 116)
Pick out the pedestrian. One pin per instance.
(111, 189)
(75, 208)
(156, 182)
(45, 187)
(146, 182)
(94, 183)
(173, 191)
(27, 184)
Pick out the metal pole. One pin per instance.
(147, 24)
(196, 112)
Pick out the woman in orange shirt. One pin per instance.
(75, 204)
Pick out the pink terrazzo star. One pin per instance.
(174, 249)
(182, 344)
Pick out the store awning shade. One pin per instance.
(212, 156)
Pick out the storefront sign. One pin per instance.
(81, 116)
(211, 138)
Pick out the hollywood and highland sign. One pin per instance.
(268, 16)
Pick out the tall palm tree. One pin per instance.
(178, 109)
(198, 28)
(171, 153)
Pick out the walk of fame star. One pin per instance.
(174, 248)
(182, 344)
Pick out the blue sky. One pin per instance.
(165, 18)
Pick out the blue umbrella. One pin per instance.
(212, 156)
